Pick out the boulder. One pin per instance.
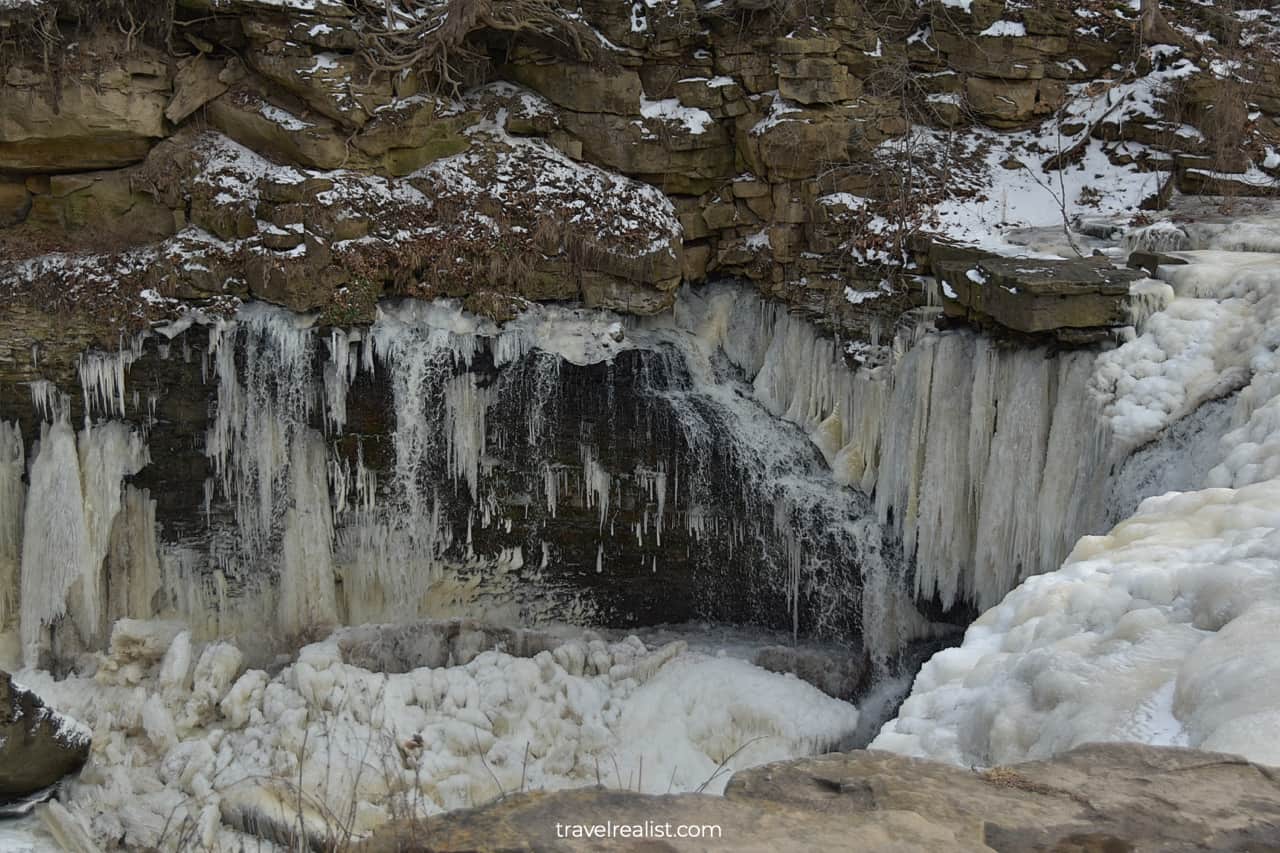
(38, 746)
(1097, 797)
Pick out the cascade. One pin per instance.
(987, 462)
(55, 542)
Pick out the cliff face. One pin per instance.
(320, 155)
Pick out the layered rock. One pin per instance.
(759, 121)
(1071, 299)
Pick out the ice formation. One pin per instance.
(1165, 629)
(188, 750)
(980, 502)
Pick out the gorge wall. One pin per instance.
(226, 155)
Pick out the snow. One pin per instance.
(512, 170)
(1087, 653)
(694, 120)
(779, 109)
(1015, 29)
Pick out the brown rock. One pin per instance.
(15, 202)
(1097, 797)
(196, 84)
(580, 87)
(1035, 296)
(663, 152)
(335, 85)
(1013, 103)
(102, 119)
(104, 203)
(256, 123)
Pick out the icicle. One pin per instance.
(466, 405)
(133, 572)
(55, 542)
(307, 597)
(49, 403)
(596, 482)
(102, 378)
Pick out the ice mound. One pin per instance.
(1166, 631)
(190, 748)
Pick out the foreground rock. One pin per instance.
(1097, 797)
(37, 745)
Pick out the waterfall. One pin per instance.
(74, 497)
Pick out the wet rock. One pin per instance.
(1151, 261)
(835, 674)
(38, 746)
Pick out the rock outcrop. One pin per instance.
(791, 140)
(1096, 797)
(1071, 299)
(38, 746)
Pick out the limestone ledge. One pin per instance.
(1114, 796)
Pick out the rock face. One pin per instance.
(37, 746)
(1097, 797)
(108, 115)
(776, 132)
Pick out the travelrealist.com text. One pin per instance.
(647, 829)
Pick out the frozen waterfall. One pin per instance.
(567, 466)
